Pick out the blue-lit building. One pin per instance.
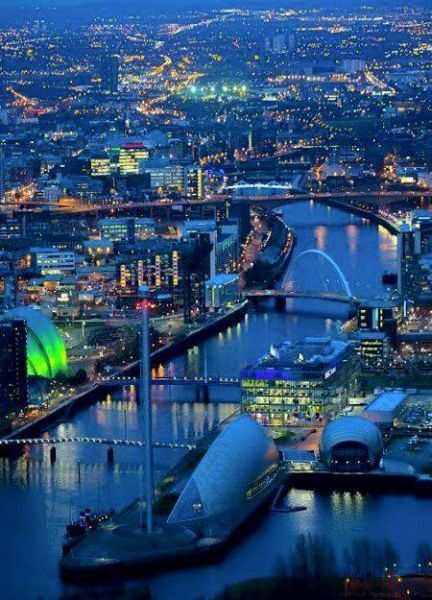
(300, 381)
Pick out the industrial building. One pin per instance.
(351, 444)
(300, 381)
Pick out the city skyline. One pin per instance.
(215, 300)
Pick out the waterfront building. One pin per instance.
(227, 251)
(13, 366)
(351, 444)
(240, 464)
(46, 351)
(222, 290)
(415, 258)
(300, 381)
(380, 315)
(385, 408)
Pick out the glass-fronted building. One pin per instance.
(303, 381)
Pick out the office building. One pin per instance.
(13, 366)
(194, 183)
(51, 261)
(415, 258)
(154, 263)
(300, 381)
(126, 229)
(222, 290)
(132, 158)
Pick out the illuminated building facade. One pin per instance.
(13, 366)
(131, 157)
(158, 267)
(195, 183)
(415, 258)
(300, 381)
(126, 229)
(222, 290)
(51, 261)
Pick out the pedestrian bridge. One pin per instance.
(53, 441)
(313, 274)
(256, 294)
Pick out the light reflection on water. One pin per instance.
(35, 497)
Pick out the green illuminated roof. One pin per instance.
(46, 352)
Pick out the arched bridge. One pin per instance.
(256, 294)
(291, 289)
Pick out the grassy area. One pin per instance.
(287, 588)
(283, 436)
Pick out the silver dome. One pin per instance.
(239, 456)
(351, 430)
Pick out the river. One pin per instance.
(36, 498)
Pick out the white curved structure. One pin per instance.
(351, 444)
(234, 468)
(343, 279)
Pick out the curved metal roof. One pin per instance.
(240, 455)
(46, 352)
(352, 429)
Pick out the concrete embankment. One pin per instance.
(374, 482)
(361, 212)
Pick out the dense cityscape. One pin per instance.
(216, 300)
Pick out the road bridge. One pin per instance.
(175, 381)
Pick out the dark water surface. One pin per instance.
(37, 498)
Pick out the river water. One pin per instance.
(36, 498)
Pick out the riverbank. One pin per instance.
(90, 392)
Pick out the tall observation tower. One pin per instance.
(145, 398)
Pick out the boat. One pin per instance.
(289, 509)
(87, 521)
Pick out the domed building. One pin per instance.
(238, 467)
(351, 444)
(46, 351)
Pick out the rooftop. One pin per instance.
(311, 351)
(387, 401)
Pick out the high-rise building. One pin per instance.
(13, 366)
(2, 172)
(415, 258)
(194, 183)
